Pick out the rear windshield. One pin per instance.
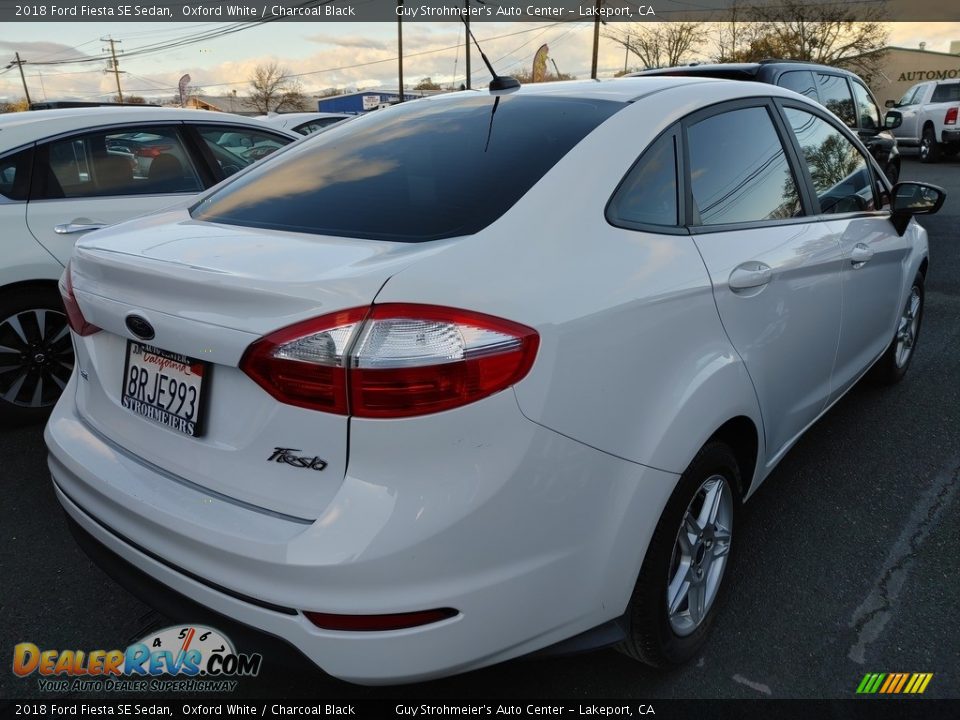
(420, 171)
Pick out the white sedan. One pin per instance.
(66, 172)
(485, 373)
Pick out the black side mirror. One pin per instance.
(914, 198)
(892, 120)
(890, 103)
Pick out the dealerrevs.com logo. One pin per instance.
(190, 658)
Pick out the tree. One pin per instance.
(132, 99)
(16, 106)
(273, 90)
(829, 34)
(526, 76)
(661, 44)
(426, 84)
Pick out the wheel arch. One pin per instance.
(741, 435)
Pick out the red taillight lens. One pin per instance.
(75, 319)
(374, 623)
(951, 117)
(392, 360)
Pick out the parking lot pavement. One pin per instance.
(847, 557)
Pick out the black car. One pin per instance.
(840, 91)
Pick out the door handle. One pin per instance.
(750, 275)
(71, 228)
(860, 255)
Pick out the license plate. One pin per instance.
(164, 387)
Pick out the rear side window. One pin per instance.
(800, 81)
(15, 175)
(129, 161)
(840, 172)
(312, 126)
(738, 169)
(648, 194)
(423, 170)
(835, 96)
(867, 109)
(946, 93)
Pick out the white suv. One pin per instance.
(66, 172)
(482, 373)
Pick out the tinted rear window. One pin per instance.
(419, 171)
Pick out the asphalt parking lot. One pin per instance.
(847, 557)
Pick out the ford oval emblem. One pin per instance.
(140, 327)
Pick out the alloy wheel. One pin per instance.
(700, 555)
(36, 357)
(908, 327)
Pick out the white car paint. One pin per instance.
(528, 511)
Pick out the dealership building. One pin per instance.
(902, 68)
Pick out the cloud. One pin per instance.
(41, 50)
(348, 41)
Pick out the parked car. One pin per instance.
(840, 91)
(304, 123)
(926, 116)
(66, 172)
(516, 402)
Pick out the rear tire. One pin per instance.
(36, 354)
(929, 147)
(684, 551)
(893, 365)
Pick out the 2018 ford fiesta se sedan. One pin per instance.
(484, 373)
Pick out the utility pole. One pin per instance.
(19, 63)
(400, 45)
(466, 38)
(114, 63)
(596, 38)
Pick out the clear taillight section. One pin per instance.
(951, 117)
(75, 319)
(392, 360)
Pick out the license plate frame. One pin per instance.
(148, 408)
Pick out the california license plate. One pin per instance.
(164, 387)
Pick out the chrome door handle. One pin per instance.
(860, 255)
(71, 228)
(750, 275)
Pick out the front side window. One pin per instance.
(739, 171)
(840, 172)
(800, 81)
(835, 96)
(648, 195)
(910, 97)
(131, 161)
(866, 108)
(235, 147)
(422, 170)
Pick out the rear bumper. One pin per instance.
(950, 136)
(533, 540)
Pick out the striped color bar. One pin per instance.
(894, 683)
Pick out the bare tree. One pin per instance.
(661, 44)
(273, 90)
(827, 33)
(130, 99)
(427, 84)
(20, 105)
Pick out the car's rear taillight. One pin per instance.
(951, 117)
(75, 319)
(392, 360)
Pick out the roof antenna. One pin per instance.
(499, 82)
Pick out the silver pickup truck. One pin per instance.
(927, 116)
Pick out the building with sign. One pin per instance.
(902, 68)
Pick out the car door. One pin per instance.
(910, 112)
(852, 201)
(100, 177)
(775, 274)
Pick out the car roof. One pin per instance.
(743, 71)
(18, 129)
(293, 117)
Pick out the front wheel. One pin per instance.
(929, 147)
(36, 354)
(673, 602)
(893, 365)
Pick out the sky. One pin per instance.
(346, 56)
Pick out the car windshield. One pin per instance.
(423, 170)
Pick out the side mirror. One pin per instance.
(892, 120)
(890, 103)
(914, 198)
